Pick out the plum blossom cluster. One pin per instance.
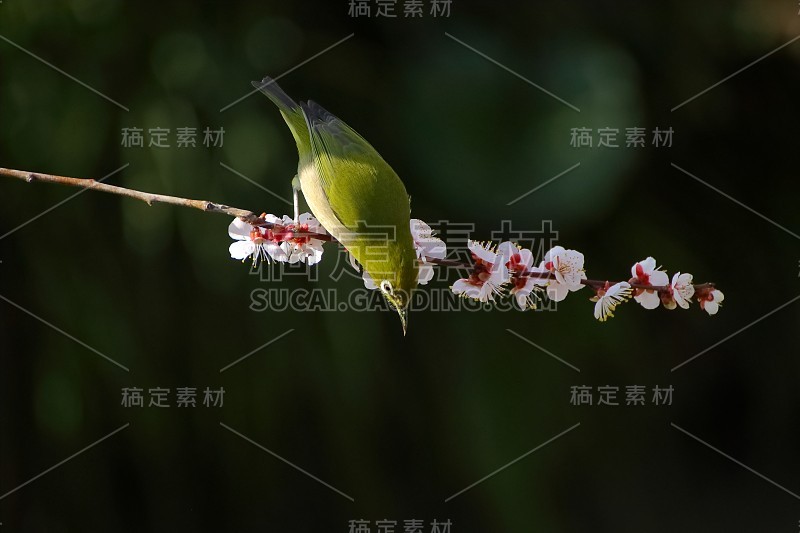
(651, 286)
(283, 241)
(509, 269)
(495, 271)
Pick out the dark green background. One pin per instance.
(399, 423)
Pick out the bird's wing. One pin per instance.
(360, 186)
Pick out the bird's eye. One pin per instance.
(386, 286)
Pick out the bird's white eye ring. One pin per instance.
(386, 286)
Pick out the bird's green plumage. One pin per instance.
(353, 192)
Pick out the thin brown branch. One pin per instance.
(256, 220)
(148, 198)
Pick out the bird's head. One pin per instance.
(399, 281)
(399, 299)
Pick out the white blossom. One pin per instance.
(567, 267)
(710, 303)
(303, 248)
(519, 262)
(609, 298)
(488, 275)
(680, 293)
(645, 273)
(279, 242)
(252, 241)
(426, 247)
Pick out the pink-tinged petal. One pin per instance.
(435, 248)
(420, 229)
(619, 290)
(425, 274)
(717, 295)
(487, 292)
(499, 274)
(681, 280)
(648, 299)
(575, 288)
(687, 290)
(598, 310)
(659, 278)
(313, 224)
(239, 230)
(288, 250)
(711, 307)
(555, 251)
(606, 304)
(368, 281)
(276, 252)
(481, 252)
(526, 258)
(241, 249)
(680, 300)
(313, 256)
(484, 293)
(648, 265)
(557, 291)
(522, 300)
(506, 251)
(460, 286)
(577, 285)
(574, 259)
(430, 247)
(463, 286)
(573, 279)
(682, 289)
(686, 286)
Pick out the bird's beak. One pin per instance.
(403, 319)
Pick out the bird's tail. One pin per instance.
(274, 92)
(291, 111)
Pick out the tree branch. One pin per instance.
(148, 198)
(256, 220)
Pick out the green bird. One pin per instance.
(354, 194)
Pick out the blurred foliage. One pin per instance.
(398, 423)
